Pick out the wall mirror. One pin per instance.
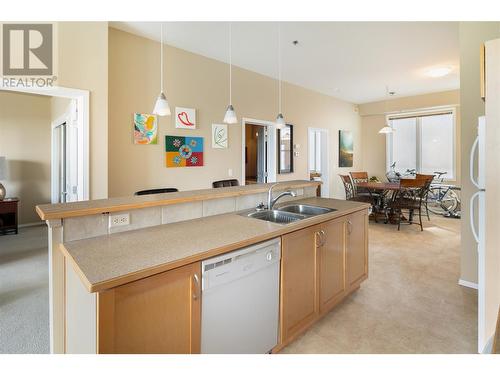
(285, 149)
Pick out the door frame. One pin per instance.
(81, 98)
(271, 147)
(325, 187)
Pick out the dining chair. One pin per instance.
(351, 194)
(428, 178)
(409, 197)
(225, 183)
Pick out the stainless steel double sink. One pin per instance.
(288, 214)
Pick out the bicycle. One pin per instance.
(442, 198)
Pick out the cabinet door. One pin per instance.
(331, 264)
(356, 249)
(158, 314)
(298, 282)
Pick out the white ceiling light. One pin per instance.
(230, 116)
(280, 120)
(439, 71)
(161, 107)
(386, 130)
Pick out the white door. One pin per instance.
(319, 157)
(65, 170)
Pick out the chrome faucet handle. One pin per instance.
(261, 206)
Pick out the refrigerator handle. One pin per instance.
(471, 212)
(471, 166)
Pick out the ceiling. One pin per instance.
(354, 61)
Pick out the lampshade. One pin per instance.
(230, 116)
(386, 130)
(280, 122)
(161, 106)
(3, 167)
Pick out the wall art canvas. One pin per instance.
(183, 151)
(185, 118)
(346, 148)
(219, 136)
(145, 129)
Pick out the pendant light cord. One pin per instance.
(230, 64)
(279, 68)
(161, 58)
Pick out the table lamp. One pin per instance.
(3, 172)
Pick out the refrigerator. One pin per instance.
(478, 221)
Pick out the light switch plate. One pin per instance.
(119, 220)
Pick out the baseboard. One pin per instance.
(31, 224)
(467, 284)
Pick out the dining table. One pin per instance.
(382, 189)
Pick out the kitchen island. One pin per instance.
(118, 286)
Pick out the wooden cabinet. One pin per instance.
(158, 314)
(331, 263)
(299, 306)
(320, 265)
(356, 249)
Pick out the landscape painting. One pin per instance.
(346, 148)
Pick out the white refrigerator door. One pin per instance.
(478, 227)
(479, 145)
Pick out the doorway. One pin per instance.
(319, 157)
(259, 150)
(255, 154)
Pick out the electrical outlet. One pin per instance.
(119, 220)
(230, 172)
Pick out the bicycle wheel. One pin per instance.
(441, 200)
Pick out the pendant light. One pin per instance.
(387, 129)
(280, 120)
(230, 116)
(161, 106)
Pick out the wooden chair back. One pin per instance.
(225, 183)
(359, 177)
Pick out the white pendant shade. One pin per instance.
(386, 130)
(230, 116)
(280, 122)
(162, 107)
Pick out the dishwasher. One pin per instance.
(240, 300)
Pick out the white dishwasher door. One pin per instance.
(240, 300)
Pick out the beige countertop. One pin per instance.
(98, 206)
(107, 261)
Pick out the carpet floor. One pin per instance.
(24, 292)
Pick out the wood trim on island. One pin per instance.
(99, 206)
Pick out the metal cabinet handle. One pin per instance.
(349, 226)
(318, 239)
(196, 294)
(323, 237)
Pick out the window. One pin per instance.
(424, 142)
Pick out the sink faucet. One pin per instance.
(272, 201)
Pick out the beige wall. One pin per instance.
(25, 142)
(198, 82)
(83, 64)
(373, 118)
(472, 35)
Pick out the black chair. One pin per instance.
(225, 183)
(156, 191)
